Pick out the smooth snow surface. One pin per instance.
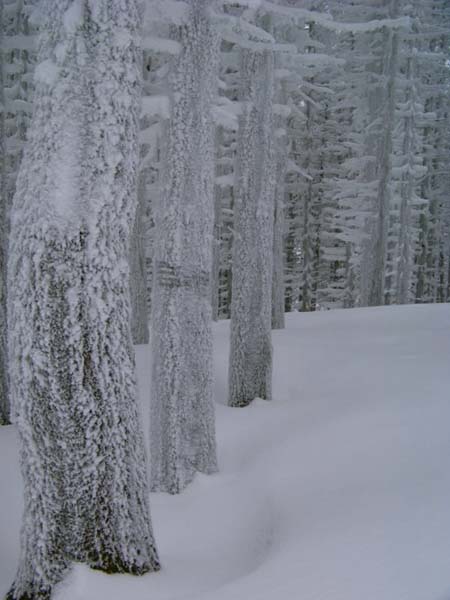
(339, 489)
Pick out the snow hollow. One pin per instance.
(338, 489)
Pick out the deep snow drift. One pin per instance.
(339, 489)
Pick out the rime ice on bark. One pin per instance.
(182, 427)
(278, 246)
(378, 248)
(4, 401)
(138, 276)
(216, 259)
(250, 370)
(73, 383)
(278, 285)
(16, 63)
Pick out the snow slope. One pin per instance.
(339, 489)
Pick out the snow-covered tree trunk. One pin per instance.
(405, 249)
(215, 280)
(219, 193)
(224, 202)
(182, 429)
(72, 365)
(17, 60)
(434, 72)
(138, 275)
(4, 400)
(383, 198)
(250, 370)
(281, 152)
(278, 284)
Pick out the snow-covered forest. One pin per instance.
(176, 177)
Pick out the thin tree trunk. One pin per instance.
(278, 284)
(4, 394)
(383, 200)
(216, 256)
(405, 251)
(138, 277)
(278, 277)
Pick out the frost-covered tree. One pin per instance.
(72, 365)
(4, 400)
(17, 57)
(138, 274)
(431, 262)
(223, 218)
(346, 190)
(384, 113)
(281, 115)
(361, 118)
(278, 283)
(154, 116)
(407, 168)
(250, 368)
(310, 102)
(182, 429)
(225, 115)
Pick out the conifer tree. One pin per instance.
(4, 400)
(73, 383)
(17, 58)
(250, 370)
(182, 429)
(138, 274)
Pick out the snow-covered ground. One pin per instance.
(339, 489)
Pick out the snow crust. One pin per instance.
(338, 489)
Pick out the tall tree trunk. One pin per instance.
(72, 364)
(215, 281)
(17, 58)
(278, 283)
(405, 249)
(182, 430)
(278, 280)
(4, 399)
(383, 199)
(138, 275)
(250, 370)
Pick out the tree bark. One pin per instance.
(138, 276)
(72, 364)
(182, 428)
(250, 369)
